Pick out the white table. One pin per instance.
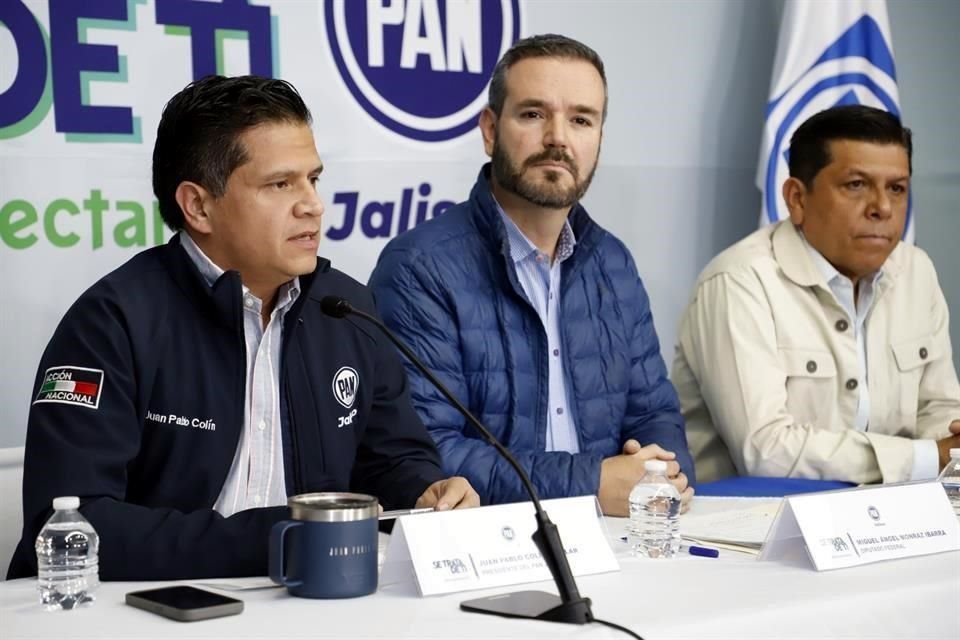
(733, 597)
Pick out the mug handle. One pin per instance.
(277, 559)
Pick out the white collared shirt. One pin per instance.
(256, 477)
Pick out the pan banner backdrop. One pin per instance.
(395, 87)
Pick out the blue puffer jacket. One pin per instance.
(449, 289)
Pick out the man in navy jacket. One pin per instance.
(528, 310)
(185, 395)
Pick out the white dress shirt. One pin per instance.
(256, 477)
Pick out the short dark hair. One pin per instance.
(547, 45)
(198, 138)
(810, 144)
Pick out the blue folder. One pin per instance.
(767, 487)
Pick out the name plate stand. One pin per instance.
(453, 551)
(852, 527)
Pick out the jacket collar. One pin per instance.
(791, 254)
(224, 298)
(486, 217)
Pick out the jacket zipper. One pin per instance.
(291, 421)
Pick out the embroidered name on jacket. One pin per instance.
(182, 421)
(71, 385)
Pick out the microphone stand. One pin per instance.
(570, 607)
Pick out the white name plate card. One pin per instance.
(857, 526)
(451, 551)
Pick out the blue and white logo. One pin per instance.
(346, 382)
(857, 68)
(420, 67)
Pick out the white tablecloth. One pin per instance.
(734, 596)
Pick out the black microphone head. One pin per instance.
(335, 306)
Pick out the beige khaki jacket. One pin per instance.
(766, 366)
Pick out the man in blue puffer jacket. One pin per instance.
(528, 310)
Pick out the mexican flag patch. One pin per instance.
(71, 385)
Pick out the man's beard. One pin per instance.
(549, 194)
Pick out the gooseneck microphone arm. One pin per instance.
(572, 608)
(345, 308)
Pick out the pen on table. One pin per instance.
(396, 513)
(694, 550)
(704, 552)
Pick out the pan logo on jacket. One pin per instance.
(345, 385)
(71, 385)
(420, 68)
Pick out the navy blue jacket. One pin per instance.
(167, 343)
(449, 288)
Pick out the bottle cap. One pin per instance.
(955, 453)
(66, 502)
(656, 466)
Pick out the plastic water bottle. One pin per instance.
(67, 561)
(654, 514)
(950, 478)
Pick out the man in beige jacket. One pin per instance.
(819, 347)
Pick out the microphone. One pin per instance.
(570, 607)
(336, 307)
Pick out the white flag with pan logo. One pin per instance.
(830, 53)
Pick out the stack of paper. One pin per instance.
(743, 528)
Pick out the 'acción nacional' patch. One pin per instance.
(71, 385)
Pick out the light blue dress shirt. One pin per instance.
(541, 283)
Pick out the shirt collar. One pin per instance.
(207, 268)
(211, 272)
(828, 271)
(520, 246)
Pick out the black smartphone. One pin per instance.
(184, 603)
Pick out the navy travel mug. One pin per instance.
(329, 548)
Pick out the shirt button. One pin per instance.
(841, 325)
(262, 425)
(559, 411)
(256, 500)
(923, 353)
(556, 352)
(248, 302)
(811, 366)
(851, 384)
(539, 258)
